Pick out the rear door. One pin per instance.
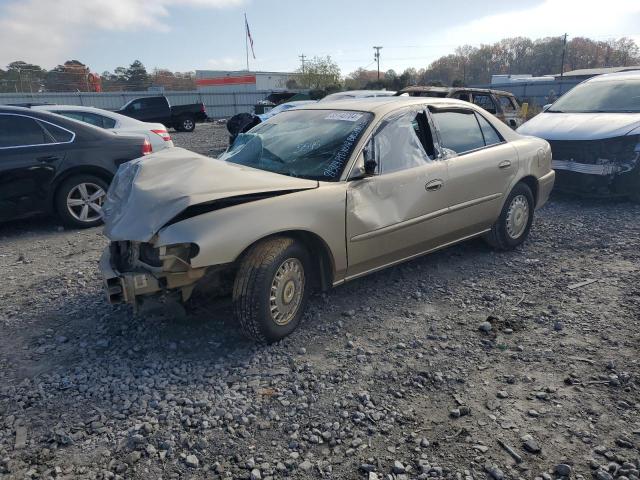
(481, 166)
(31, 152)
(510, 110)
(399, 212)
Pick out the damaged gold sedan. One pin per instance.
(315, 197)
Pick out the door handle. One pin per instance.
(434, 185)
(505, 164)
(47, 159)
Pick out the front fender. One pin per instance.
(222, 235)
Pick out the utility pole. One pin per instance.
(302, 59)
(564, 49)
(376, 57)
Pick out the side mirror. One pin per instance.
(370, 167)
(546, 107)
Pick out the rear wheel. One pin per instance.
(79, 200)
(271, 289)
(514, 224)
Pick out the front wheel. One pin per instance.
(271, 289)
(187, 124)
(514, 224)
(79, 200)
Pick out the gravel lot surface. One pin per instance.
(465, 364)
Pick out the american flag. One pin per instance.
(246, 23)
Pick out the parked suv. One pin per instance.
(55, 165)
(497, 102)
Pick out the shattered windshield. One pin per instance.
(313, 144)
(613, 96)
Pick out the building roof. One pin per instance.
(590, 72)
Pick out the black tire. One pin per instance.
(254, 281)
(499, 236)
(187, 123)
(66, 213)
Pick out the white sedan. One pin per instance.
(156, 133)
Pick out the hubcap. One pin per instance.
(287, 289)
(187, 124)
(84, 202)
(517, 217)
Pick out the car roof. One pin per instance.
(426, 88)
(631, 75)
(54, 118)
(384, 105)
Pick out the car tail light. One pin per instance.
(164, 134)
(146, 147)
(202, 109)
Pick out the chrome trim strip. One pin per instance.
(411, 257)
(73, 135)
(399, 225)
(473, 203)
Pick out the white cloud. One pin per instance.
(46, 32)
(587, 18)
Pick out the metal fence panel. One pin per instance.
(218, 104)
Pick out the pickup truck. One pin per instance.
(158, 110)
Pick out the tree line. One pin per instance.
(75, 76)
(468, 65)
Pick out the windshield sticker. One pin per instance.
(335, 167)
(346, 116)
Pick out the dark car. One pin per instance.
(158, 110)
(50, 164)
(497, 102)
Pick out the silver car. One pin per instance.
(315, 197)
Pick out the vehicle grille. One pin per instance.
(595, 152)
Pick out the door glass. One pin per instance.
(108, 122)
(491, 137)
(459, 130)
(93, 119)
(16, 130)
(402, 143)
(73, 115)
(507, 104)
(136, 105)
(485, 101)
(59, 134)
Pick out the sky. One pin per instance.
(185, 35)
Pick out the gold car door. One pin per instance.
(399, 211)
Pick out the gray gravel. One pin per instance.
(363, 390)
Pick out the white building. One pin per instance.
(242, 81)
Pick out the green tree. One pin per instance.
(137, 76)
(320, 73)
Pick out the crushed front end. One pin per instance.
(135, 271)
(606, 167)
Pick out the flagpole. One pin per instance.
(246, 40)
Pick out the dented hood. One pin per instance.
(148, 192)
(580, 126)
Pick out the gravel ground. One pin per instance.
(465, 364)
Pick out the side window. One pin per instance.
(18, 131)
(155, 102)
(93, 119)
(74, 115)
(59, 134)
(491, 136)
(507, 104)
(485, 101)
(459, 130)
(463, 96)
(137, 105)
(402, 142)
(108, 122)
